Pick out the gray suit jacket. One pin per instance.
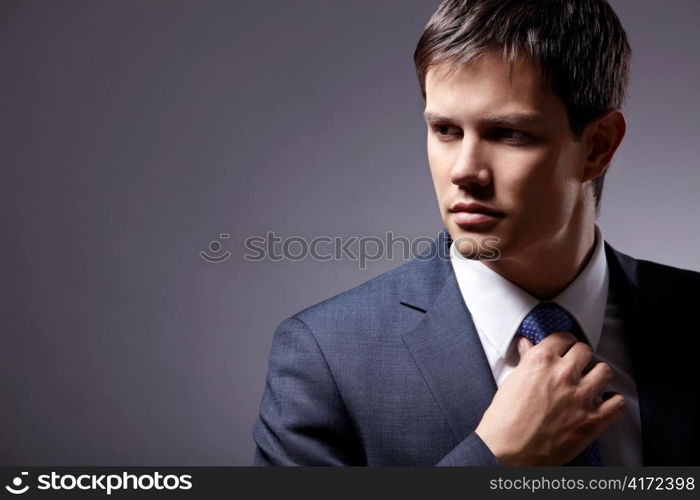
(392, 372)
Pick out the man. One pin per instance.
(535, 343)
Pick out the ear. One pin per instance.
(602, 138)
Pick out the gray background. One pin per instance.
(134, 133)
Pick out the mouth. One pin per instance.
(474, 215)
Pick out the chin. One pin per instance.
(477, 245)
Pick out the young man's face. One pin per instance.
(503, 141)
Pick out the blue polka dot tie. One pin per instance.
(546, 318)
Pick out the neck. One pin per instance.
(545, 270)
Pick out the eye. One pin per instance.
(445, 131)
(512, 135)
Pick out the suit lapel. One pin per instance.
(446, 348)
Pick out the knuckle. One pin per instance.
(541, 356)
(565, 374)
(581, 399)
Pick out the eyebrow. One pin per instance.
(507, 120)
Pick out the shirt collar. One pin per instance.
(498, 306)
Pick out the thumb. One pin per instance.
(524, 345)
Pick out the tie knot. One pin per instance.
(546, 318)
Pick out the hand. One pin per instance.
(544, 413)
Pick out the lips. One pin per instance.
(475, 208)
(475, 216)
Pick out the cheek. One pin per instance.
(440, 164)
(541, 191)
(528, 178)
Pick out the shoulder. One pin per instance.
(366, 309)
(661, 281)
(385, 305)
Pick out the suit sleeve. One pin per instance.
(303, 420)
(472, 451)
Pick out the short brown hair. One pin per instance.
(580, 44)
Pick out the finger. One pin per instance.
(609, 410)
(559, 342)
(579, 356)
(595, 380)
(524, 345)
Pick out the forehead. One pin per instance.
(489, 85)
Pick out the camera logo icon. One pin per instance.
(16, 488)
(215, 248)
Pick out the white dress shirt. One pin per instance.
(498, 307)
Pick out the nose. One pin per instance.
(470, 166)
